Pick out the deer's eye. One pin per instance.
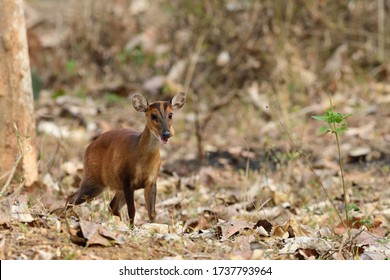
(170, 115)
(153, 117)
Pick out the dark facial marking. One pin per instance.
(166, 106)
(161, 110)
(161, 107)
(155, 105)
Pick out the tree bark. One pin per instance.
(16, 97)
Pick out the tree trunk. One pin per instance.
(16, 98)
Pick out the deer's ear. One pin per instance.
(140, 103)
(178, 100)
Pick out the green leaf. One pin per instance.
(367, 222)
(113, 98)
(342, 128)
(318, 118)
(324, 130)
(333, 117)
(329, 116)
(338, 117)
(346, 116)
(353, 207)
(57, 93)
(71, 66)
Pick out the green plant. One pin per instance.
(71, 67)
(113, 98)
(336, 125)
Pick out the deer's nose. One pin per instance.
(166, 134)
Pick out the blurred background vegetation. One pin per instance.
(301, 46)
(239, 58)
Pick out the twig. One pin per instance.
(4, 175)
(188, 79)
(263, 204)
(324, 19)
(193, 62)
(15, 165)
(342, 179)
(307, 162)
(217, 107)
(171, 207)
(201, 125)
(11, 175)
(381, 29)
(343, 242)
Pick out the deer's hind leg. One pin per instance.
(116, 204)
(88, 190)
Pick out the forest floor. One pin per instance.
(243, 202)
(268, 187)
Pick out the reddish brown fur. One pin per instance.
(126, 160)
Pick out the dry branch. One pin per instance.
(20, 155)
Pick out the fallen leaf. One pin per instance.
(304, 242)
(112, 235)
(241, 255)
(52, 39)
(20, 211)
(191, 225)
(50, 183)
(168, 185)
(354, 223)
(178, 257)
(209, 234)
(324, 232)
(363, 131)
(97, 239)
(371, 253)
(76, 236)
(89, 229)
(290, 229)
(280, 197)
(232, 227)
(363, 237)
(150, 229)
(263, 227)
(374, 247)
(139, 6)
(50, 128)
(72, 167)
(223, 58)
(87, 233)
(386, 214)
(227, 199)
(359, 152)
(175, 201)
(169, 237)
(306, 254)
(207, 219)
(5, 210)
(44, 255)
(258, 254)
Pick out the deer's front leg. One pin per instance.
(129, 198)
(150, 200)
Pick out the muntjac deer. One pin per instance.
(126, 160)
